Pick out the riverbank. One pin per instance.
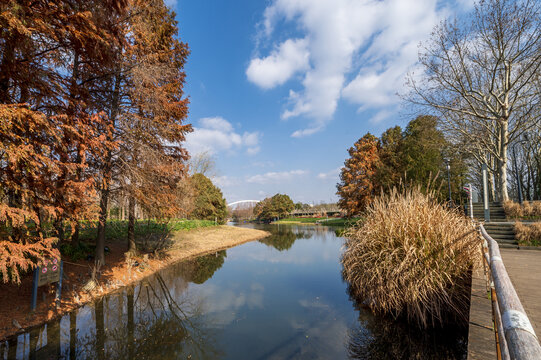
(339, 222)
(77, 289)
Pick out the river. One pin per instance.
(282, 297)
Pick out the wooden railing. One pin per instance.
(515, 336)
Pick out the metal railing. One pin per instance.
(515, 336)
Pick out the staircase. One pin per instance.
(497, 214)
(503, 233)
(498, 228)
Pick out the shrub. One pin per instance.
(410, 257)
(528, 235)
(512, 209)
(536, 208)
(77, 251)
(528, 209)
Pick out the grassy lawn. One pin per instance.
(118, 229)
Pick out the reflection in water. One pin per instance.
(283, 237)
(274, 299)
(375, 337)
(153, 320)
(206, 266)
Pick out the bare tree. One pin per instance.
(203, 163)
(480, 76)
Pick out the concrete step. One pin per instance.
(491, 225)
(492, 214)
(502, 233)
(482, 212)
(481, 206)
(508, 246)
(499, 226)
(504, 239)
(491, 210)
(504, 242)
(480, 209)
(482, 216)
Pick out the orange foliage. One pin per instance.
(357, 188)
(50, 128)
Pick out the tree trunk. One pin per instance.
(59, 228)
(75, 237)
(107, 176)
(491, 180)
(6, 68)
(502, 163)
(131, 225)
(102, 223)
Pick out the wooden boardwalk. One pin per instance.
(524, 269)
(481, 343)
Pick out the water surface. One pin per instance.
(279, 298)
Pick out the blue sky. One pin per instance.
(280, 89)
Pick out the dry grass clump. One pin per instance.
(528, 209)
(512, 209)
(411, 257)
(528, 235)
(536, 205)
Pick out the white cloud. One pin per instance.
(351, 49)
(224, 181)
(380, 116)
(215, 134)
(216, 123)
(171, 3)
(333, 174)
(275, 177)
(287, 59)
(306, 132)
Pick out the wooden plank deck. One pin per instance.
(481, 343)
(524, 269)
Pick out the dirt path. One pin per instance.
(15, 314)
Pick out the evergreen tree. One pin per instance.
(276, 207)
(209, 202)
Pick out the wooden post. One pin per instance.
(59, 284)
(34, 289)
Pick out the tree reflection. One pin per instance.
(156, 319)
(161, 324)
(206, 266)
(283, 237)
(377, 337)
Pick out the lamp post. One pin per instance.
(448, 166)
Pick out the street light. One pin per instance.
(448, 166)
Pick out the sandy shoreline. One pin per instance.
(15, 300)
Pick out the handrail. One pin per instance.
(519, 340)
